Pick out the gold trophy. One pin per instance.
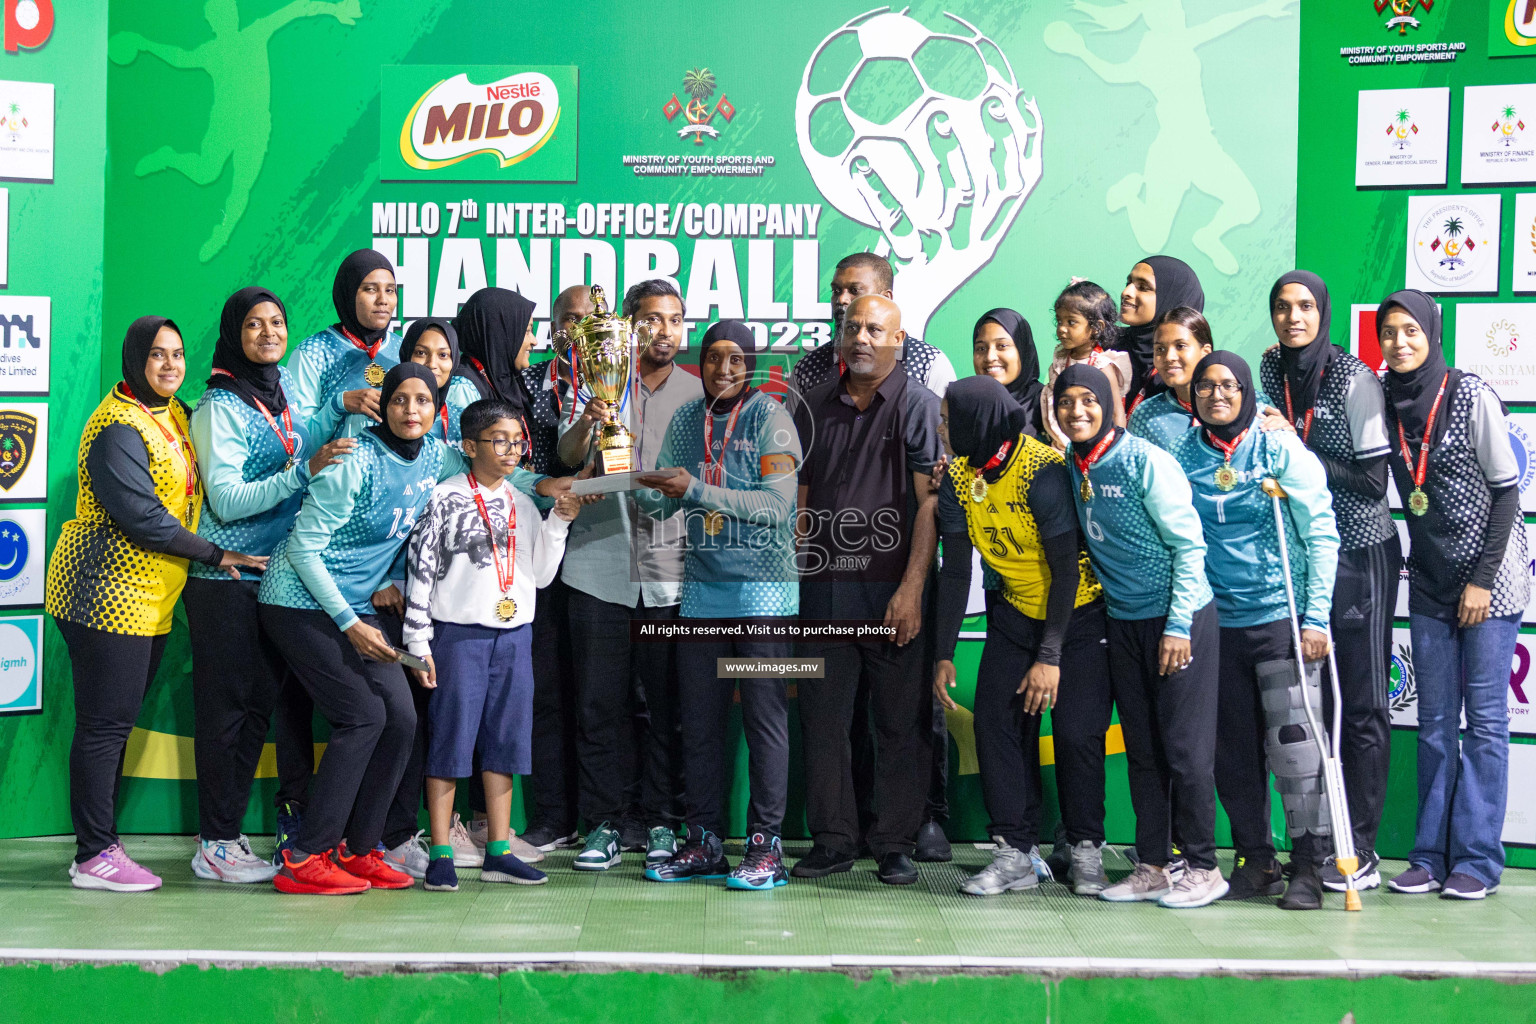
(603, 348)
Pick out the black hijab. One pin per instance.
(397, 375)
(1176, 285)
(417, 329)
(741, 334)
(982, 416)
(1411, 395)
(252, 381)
(1304, 367)
(1026, 387)
(1245, 412)
(136, 345)
(1084, 375)
(492, 326)
(349, 278)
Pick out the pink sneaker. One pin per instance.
(114, 870)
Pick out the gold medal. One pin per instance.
(1226, 477)
(714, 522)
(506, 609)
(1086, 490)
(288, 465)
(1418, 502)
(978, 489)
(374, 375)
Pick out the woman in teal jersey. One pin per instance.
(1144, 536)
(495, 342)
(316, 605)
(256, 459)
(1227, 462)
(337, 372)
(432, 342)
(735, 453)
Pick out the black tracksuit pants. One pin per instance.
(1364, 598)
(1008, 739)
(237, 674)
(372, 715)
(709, 746)
(1169, 725)
(552, 786)
(111, 673)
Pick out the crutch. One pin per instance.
(1333, 771)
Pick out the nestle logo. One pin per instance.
(511, 92)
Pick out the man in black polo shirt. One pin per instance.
(867, 541)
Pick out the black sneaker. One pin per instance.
(1253, 878)
(1305, 891)
(1367, 876)
(896, 868)
(633, 837)
(821, 862)
(1464, 887)
(547, 838)
(1060, 860)
(932, 845)
(703, 856)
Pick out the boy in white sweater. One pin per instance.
(475, 559)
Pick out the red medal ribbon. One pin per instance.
(714, 472)
(1084, 465)
(503, 578)
(1225, 448)
(176, 442)
(1429, 429)
(372, 350)
(997, 460)
(1306, 427)
(287, 439)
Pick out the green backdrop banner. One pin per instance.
(1430, 64)
(993, 150)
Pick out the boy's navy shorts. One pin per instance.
(483, 700)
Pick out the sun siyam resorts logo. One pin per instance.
(477, 123)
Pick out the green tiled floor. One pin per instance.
(842, 916)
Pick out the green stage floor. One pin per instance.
(846, 921)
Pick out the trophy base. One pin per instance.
(615, 448)
(616, 460)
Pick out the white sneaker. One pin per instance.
(411, 856)
(1147, 882)
(230, 860)
(1198, 887)
(1088, 877)
(465, 853)
(1011, 869)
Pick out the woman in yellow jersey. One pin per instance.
(1010, 496)
(114, 578)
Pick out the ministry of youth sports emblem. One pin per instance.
(699, 85)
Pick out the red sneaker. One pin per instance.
(316, 875)
(371, 866)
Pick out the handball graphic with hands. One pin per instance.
(927, 137)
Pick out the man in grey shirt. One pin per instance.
(622, 565)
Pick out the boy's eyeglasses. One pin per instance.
(1229, 388)
(501, 446)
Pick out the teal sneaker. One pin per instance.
(661, 847)
(702, 856)
(601, 851)
(762, 867)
